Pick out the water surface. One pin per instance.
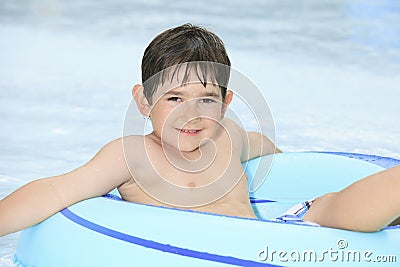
(329, 70)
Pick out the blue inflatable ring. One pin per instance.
(107, 231)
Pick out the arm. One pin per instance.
(42, 198)
(257, 145)
(367, 205)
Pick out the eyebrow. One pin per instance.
(179, 93)
(172, 92)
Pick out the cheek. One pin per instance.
(213, 125)
(161, 116)
(212, 111)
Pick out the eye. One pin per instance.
(207, 100)
(175, 99)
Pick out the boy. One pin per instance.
(192, 159)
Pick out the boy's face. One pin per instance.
(185, 116)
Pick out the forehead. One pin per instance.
(187, 83)
(189, 90)
(195, 89)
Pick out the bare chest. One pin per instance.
(180, 180)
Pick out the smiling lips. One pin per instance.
(188, 132)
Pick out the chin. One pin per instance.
(182, 147)
(185, 148)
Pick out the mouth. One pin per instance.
(188, 132)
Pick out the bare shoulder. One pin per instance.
(254, 144)
(106, 171)
(112, 150)
(232, 127)
(110, 160)
(122, 148)
(129, 139)
(237, 134)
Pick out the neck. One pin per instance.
(193, 161)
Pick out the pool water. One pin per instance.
(329, 70)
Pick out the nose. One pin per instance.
(190, 111)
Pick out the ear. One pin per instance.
(141, 101)
(227, 101)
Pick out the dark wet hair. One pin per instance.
(189, 46)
